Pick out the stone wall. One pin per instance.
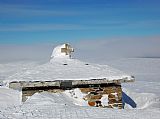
(96, 96)
(99, 95)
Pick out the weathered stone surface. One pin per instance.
(95, 94)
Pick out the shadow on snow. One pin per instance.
(127, 100)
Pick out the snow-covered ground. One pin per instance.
(141, 98)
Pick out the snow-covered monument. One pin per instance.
(99, 84)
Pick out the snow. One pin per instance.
(9, 97)
(141, 98)
(73, 70)
(146, 71)
(16, 67)
(104, 100)
(60, 106)
(77, 96)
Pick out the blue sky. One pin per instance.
(49, 21)
(98, 30)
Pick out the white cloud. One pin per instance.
(90, 50)
(19, 52)
(109, 49)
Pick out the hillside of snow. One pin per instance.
(141, 98)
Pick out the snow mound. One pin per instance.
(9, 97)
(46, 98)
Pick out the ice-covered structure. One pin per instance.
(98, 83)
(62, 51)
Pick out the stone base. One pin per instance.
(113, 93)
